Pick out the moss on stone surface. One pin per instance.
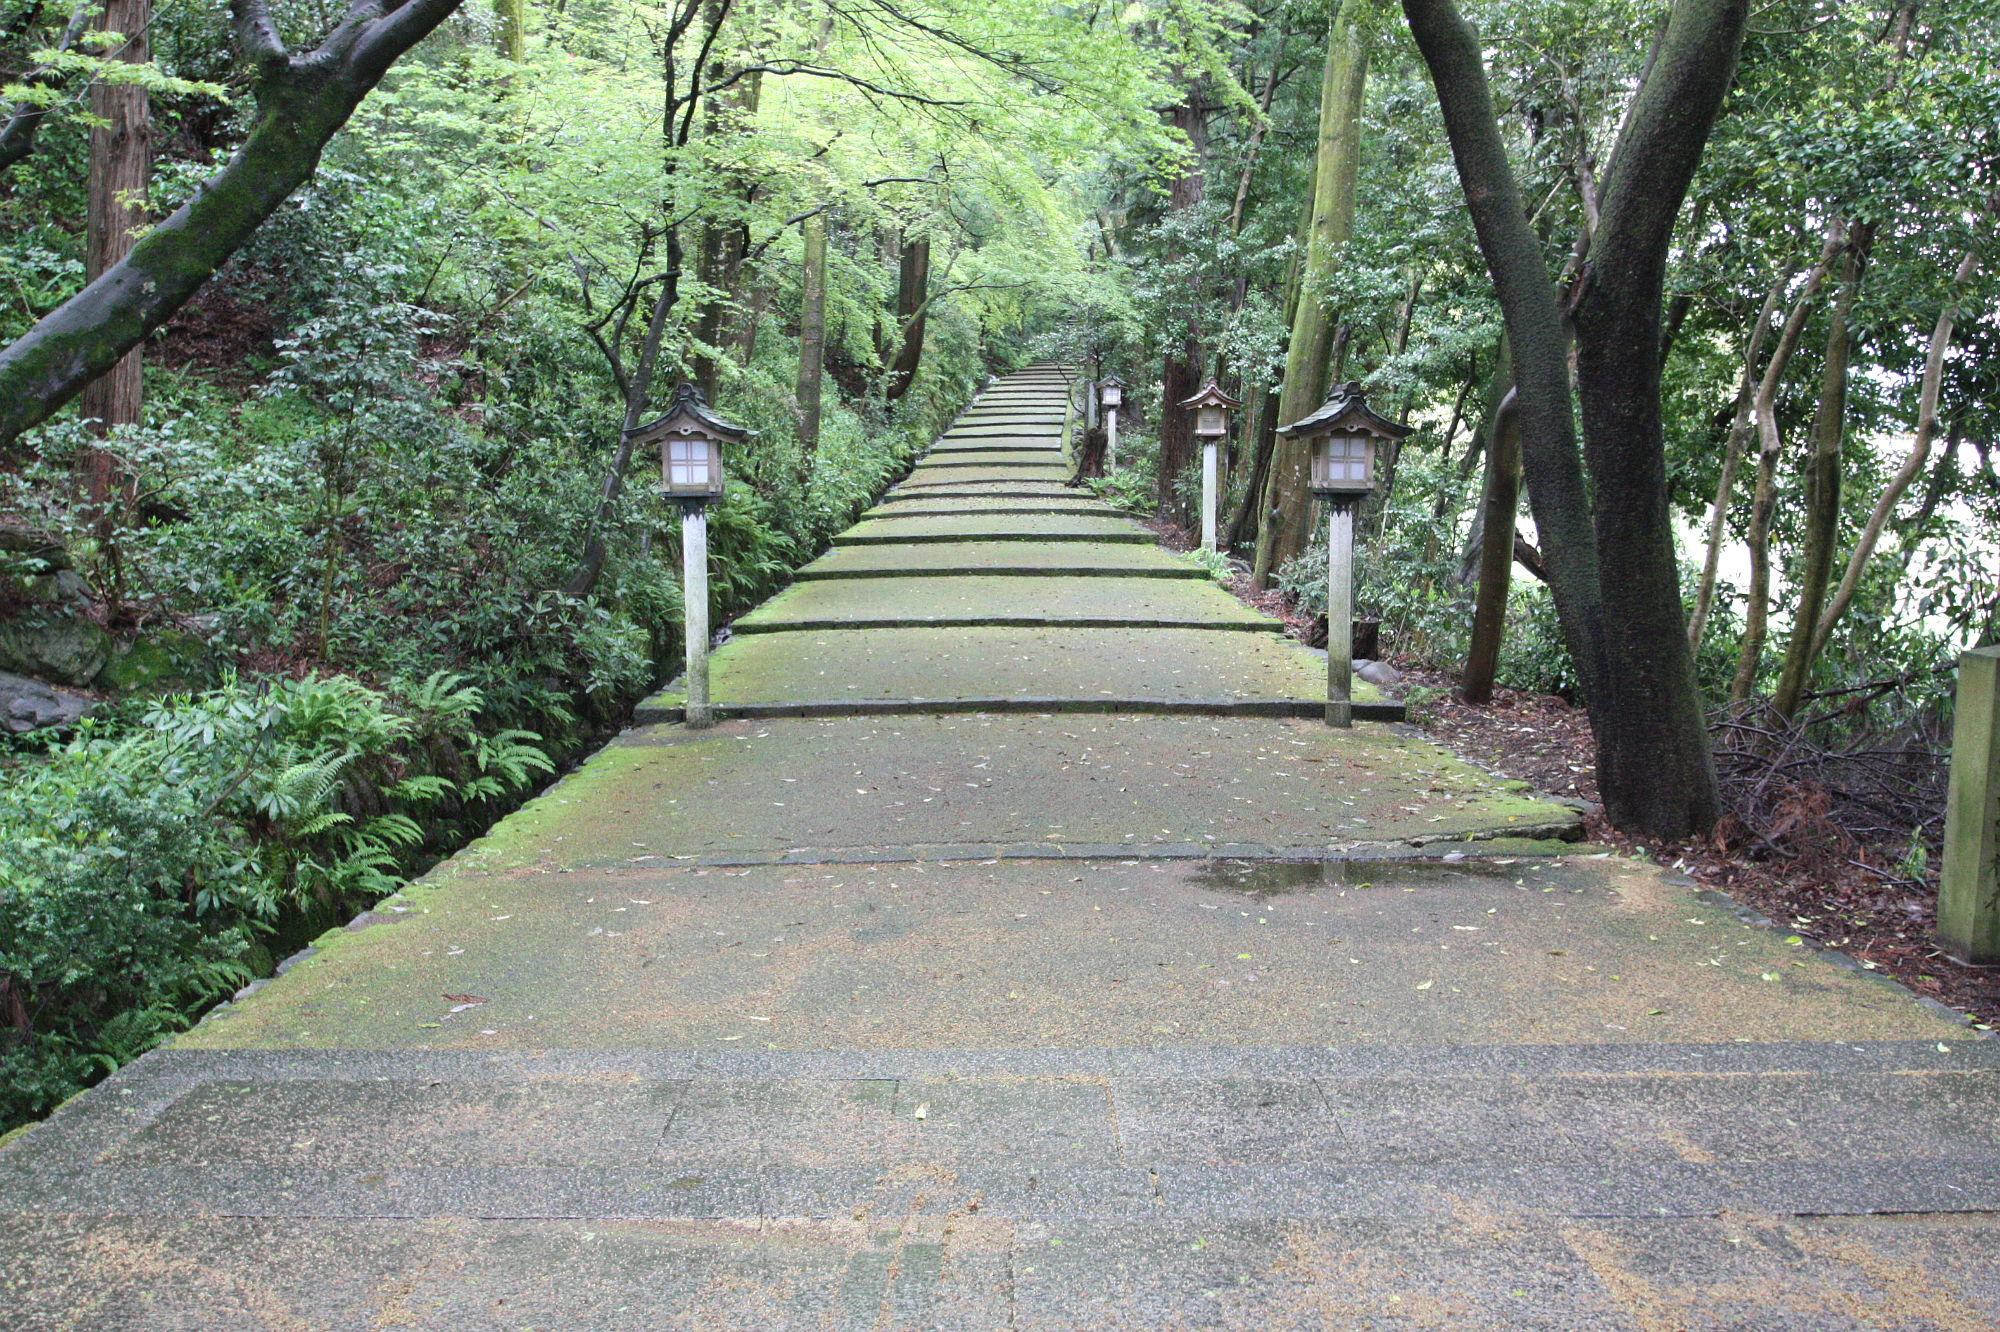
(961, 597)
(1188, 664)
(998, 555)
(1011, 955)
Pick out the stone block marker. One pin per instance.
(1969, 896)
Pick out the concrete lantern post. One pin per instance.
(1211, 426)
(1969, 890)
(690, 438)
(1110, 396)
(1344, 435)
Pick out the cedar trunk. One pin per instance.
(121, 162)
(1286, 529)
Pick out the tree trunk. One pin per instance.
(512, 39)
(638, 395)
(1609, 547)
(1537, 336)
(301, 103)
(1343, 82)
(1655, 769)
(1913, 463)
(1499, 387)
(724, 237)
(912, 300)
(1823, 482)
(121, 168)
(812, 341)
(1180, 371)
(1764, 500)
(1496, 553)
(1732, 461)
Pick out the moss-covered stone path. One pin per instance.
(1014, 957)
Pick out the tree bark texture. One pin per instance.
(1537, 335)
(1343, 82)
(512, 39)
(1496, 553)
(913, 278)
(301, 103)
(812, 339)
(121, 169)
(1823, 482)
(1609, 548)
(1655, 769)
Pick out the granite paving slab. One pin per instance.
(1005, 781)
(591, 948)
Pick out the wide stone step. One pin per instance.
(1047, 477)
(1085, 1134)
(1000, 527)
(1193, 668)
(1001, 558)
(950, 460)
(925, 600)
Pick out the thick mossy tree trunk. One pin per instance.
(812, 341)
(913, 281)
(1285, 529)
(1608, 540)
(512, 39)
(121, 168)
(301, 103)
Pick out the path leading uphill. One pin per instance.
(1016, 955)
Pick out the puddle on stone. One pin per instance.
(1265, 879)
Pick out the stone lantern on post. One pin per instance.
(1110, 396)
(1344, 436)
(1211, 426)
(690, 438)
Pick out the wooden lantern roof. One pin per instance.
(1346, 410)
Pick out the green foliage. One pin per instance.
(140, 861)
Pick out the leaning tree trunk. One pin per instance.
(913, 278)
(121, 167)
(1343, 81)
(812, 341)
(301, 103)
